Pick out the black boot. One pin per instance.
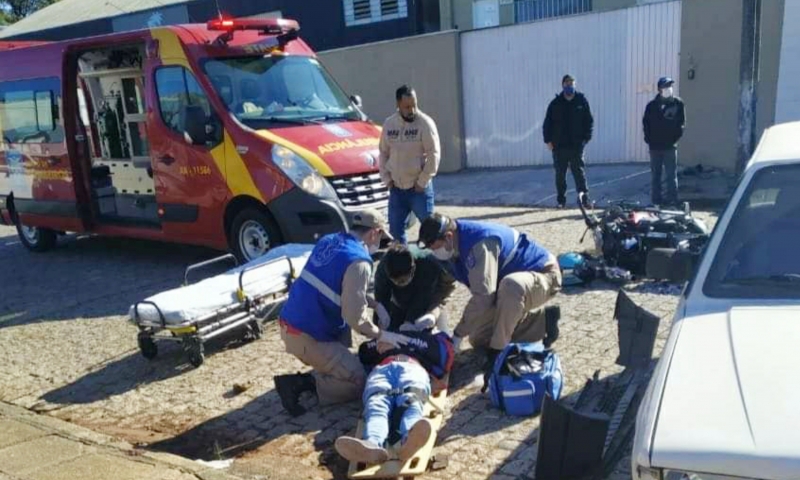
(289, 388)
(551, 316)
(488, 367)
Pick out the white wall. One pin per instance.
(510, 75)
(787, 106)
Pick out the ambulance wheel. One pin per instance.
(252, 235)
(36, 239)
(147, 346)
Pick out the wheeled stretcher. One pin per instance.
(416, 465)
(241, 298)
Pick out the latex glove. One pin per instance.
(425, 322)
(394, 339)
(384, 319)
(457, 343)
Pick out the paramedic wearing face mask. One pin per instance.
(328, 300)
(408, 161)
(664, 121)
(510, 277)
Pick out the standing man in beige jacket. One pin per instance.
(409, 159)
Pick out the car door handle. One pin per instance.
(167, 160)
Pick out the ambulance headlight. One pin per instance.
(301, 173)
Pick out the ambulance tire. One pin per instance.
(36, 239)
(256, 225)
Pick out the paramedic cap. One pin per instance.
(371, 218)
(432, 229)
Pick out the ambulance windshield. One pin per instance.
(269, 89)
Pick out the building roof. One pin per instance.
(68, 12)
(778, 144)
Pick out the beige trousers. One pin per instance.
(337, 371)
(518, 313)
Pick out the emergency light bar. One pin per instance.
(275, 26)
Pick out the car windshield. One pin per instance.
(271, 89)
(758, 256)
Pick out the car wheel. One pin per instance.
(252, 235)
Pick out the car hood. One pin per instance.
(334, 149)
(731, 402)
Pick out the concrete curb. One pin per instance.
(120, 453)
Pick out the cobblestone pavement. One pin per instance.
(67, 350)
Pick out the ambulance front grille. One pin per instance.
(360, 190)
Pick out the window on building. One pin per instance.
(361, 12)
(29, 111)
(533, 10)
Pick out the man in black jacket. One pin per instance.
(664, 121)
(412, 287)
(567, 129)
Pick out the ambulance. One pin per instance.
(230, 135)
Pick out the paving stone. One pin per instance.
(15, 432)
(40, 453)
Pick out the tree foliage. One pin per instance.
(14, 10)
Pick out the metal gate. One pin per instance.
(510, 74)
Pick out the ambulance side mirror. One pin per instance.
(356, 101)
(199, 128)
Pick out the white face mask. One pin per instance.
(373, 249)
(667, 92)
(443, 254)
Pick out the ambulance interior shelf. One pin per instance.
(113, 108)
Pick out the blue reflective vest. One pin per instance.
(314, 305)
(517, 252)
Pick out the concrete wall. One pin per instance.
(771, 25)
(430, 63)
(711, 46)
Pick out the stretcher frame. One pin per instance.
(247, 314)
(416, 465)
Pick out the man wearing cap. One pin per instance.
(664, 121)
(408, 161)
(510, 277)
(324, 304)
(567, 129)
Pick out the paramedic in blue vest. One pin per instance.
(510, 278)
(325, 303)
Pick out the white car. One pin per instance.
(724, 401)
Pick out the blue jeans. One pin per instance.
(378, 407)
(403, 202)
(668, 161)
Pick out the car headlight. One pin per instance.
(649, 473)
(301, 173)
(678, 475)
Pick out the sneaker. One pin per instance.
(551, 316)
(360, 451)
(561, 205)
(289, 388)
(584, 199)
(417, 438)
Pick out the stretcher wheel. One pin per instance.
(254, 331)
(147, 345)
(194, 347)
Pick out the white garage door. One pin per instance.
(788, 102)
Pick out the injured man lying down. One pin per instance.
(395, 394)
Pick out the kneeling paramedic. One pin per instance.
(411, 289)
(396, 391)
(327, 300)
(510, 277)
